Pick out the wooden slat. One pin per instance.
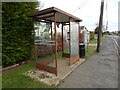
(75, 59)
(46, 68)
(66, 55)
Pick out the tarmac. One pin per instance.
(98, 71)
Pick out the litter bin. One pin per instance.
(82, 50)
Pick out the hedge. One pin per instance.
(17, 37)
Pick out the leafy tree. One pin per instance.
(17, 37)
(96, 30)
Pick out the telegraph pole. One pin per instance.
(100, 26)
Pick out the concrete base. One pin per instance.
(63, 71)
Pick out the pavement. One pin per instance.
(98, 71)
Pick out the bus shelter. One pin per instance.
(46, 25)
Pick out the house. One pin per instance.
(84, 35)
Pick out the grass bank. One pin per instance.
(89, 51)
(95, 40)
(16, 79)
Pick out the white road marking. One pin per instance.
(116, 44)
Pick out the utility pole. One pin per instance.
(100, 26)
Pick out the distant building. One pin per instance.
(86, 34)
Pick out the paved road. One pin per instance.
(117, 38)
(99, 71)
(117, 42)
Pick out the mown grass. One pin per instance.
(95, 40)
(0, 67)
(89, 51)
(0, 81)
(17, 79)
(104, 36)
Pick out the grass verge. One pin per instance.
(89, 51)
(16, 79)
(95, 40)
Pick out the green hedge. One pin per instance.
(17, 38)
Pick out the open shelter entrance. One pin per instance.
(47, 24)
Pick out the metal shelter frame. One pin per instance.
(58, 17)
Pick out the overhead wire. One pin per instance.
(80, 6)
(106, 10)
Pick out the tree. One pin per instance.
(96, 30)
(17, 38)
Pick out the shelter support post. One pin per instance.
(74, 41)
(51, 32)
(55, 42)
(69, 40)
(79, 38)
(62, 41)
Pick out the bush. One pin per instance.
(17, 38)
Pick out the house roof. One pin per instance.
(47, 14)
(82, 27)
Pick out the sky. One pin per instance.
(88, 11)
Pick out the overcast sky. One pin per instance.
(88, 11)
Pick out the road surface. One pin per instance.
(117, 42)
